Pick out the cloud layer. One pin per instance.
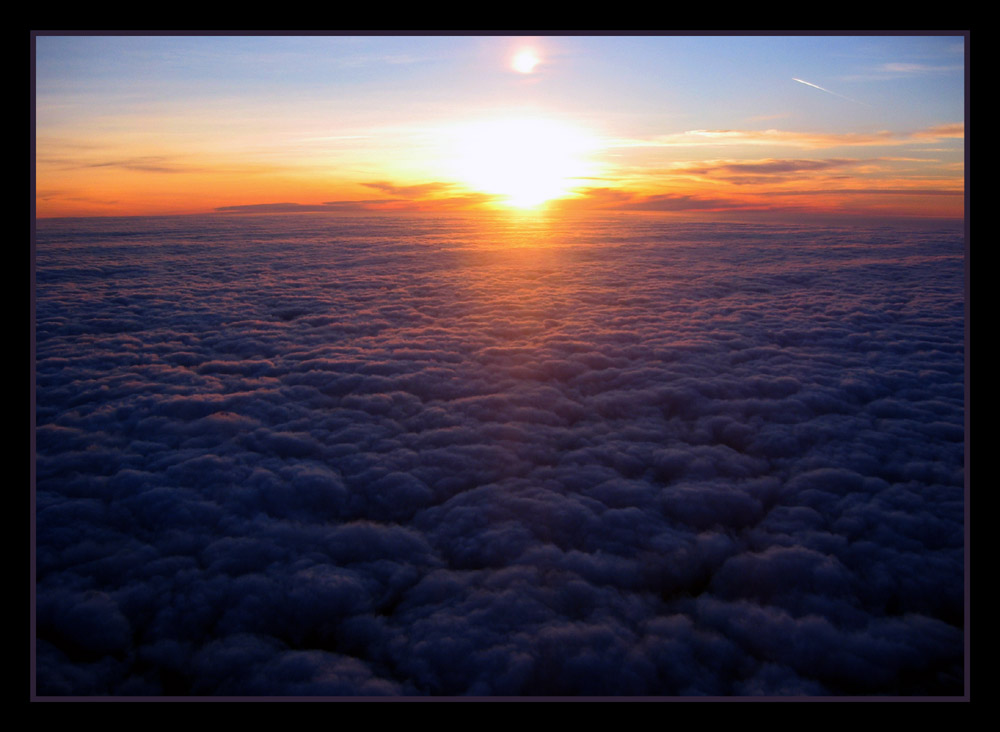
(317, 455)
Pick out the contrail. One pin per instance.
(817, 86)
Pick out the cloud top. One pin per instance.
(365, 456)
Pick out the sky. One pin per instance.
(706, 126)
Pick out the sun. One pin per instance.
(525, 161)
(525, 61)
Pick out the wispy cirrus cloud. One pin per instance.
(290, 207)
(762, 170)
(836, 193)
(911, 68)
(432, 195)
(809, 140)
(160, 164)
(143, 163)
(414, 197)
(822, 89)
(899, 191)
(627, 200)
(377, 59)
(939, 132)
(421, 190)
(148, 164)
(884, 171)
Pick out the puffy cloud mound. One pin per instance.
(321, 455)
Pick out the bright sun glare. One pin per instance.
(524, 161)
(525, 61)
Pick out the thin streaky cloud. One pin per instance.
(170, 165)
(770, 166)
(905, 68)
(693, 138)
(414, 191)
(766, 117)
(817, 86)
(868, 192)
(956, 131)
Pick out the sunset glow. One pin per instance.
(678, 125)
(525, 162)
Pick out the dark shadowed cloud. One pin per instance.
(404, 455)
(272, 208)
(624, 200)
(422, 190)
(434, 196)
(762, 171)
